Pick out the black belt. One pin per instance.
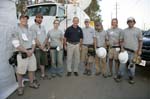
(115, 46)
(29, 48)
(54, 48)
(99, 47)
(130, 50)
(74, 43)
(87, 44)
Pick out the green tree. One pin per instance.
(21, 6)
(94, 11)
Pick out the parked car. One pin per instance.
(146, 47)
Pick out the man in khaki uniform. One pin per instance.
(40, 35)
(88, 51)
(24, 43)
(114, 37)
(132, 43)
(101, 41)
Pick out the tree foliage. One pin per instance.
(94, 11)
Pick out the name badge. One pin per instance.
(111, 33)
(24, 37)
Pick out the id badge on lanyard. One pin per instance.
(24, 37)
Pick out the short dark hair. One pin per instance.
(114, 19)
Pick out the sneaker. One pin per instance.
(131, 81)
(76, 74)
(117, 78)
(53, 75)
(37, 82)
(20, 91)
(43, 77)
(110, 74)
(33, 85)
(85, 72)
(69, 74)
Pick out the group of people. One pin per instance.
(33, 43)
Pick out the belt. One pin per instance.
(115, 46)
(99, 47)
(87, 44)
(29, 48)
(53, 48)
(130, 50)
(74, 43)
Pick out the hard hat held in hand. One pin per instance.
(101, 52)
(136, 59)
(123, 57)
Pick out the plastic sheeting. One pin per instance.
(8, 20)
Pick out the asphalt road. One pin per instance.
(90, 87)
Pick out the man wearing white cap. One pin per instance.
(88, 51)
(132, 42)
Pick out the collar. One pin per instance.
(75, 28)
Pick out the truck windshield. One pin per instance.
(47, 10)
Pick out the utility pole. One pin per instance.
(116, 10)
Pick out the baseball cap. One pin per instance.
(130, 19)
(39, 15)
(87, 20)
(98, 23)
(23, 16)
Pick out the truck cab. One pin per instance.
(50, 12)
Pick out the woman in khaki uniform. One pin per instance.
(56, 49)
(101, 40)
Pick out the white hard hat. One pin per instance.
(123, 57)
(101, 52)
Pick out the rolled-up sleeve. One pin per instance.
(15, 38)
(140, 36)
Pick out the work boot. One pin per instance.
(104, 75)
(69, 74)
(110, 74)
(85, 72)
(117, 78)
(131, 81)
(89, 73)
(76, 74)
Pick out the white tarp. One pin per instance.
(7, 22)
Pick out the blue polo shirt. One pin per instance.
(73, 34)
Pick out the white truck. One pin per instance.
(63, 12)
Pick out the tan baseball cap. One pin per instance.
(39, 15)
(23, 16)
